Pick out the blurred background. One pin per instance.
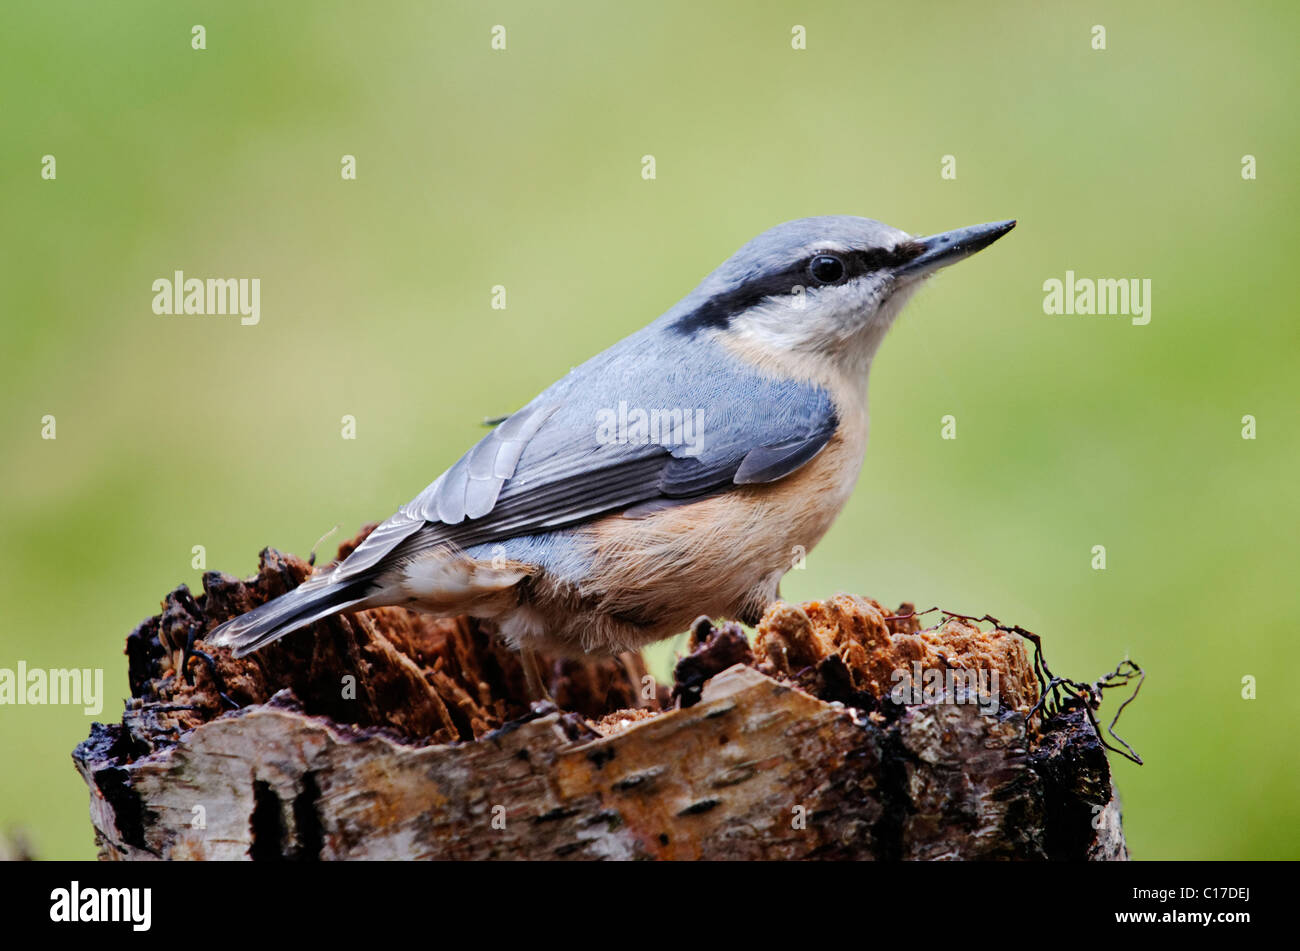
(523, 168)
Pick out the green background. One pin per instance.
(523, 168)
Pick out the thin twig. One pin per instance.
(1050, 703)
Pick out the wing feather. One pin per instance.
(543, 468)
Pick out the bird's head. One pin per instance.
(823, 287)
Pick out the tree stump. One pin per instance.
(388, 734)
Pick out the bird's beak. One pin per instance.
(949, 247)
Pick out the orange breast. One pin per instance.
(712, 554)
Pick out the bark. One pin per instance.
(390, 735)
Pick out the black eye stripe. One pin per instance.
(857, 263)
(876, 258)
(717, 311)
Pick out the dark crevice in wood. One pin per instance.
(266, 831)
(306, 820)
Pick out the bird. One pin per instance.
(679, 473)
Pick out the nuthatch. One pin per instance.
(678, 473)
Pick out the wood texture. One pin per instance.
(785, 751)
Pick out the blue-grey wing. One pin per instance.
(575, 453)
(469, 489)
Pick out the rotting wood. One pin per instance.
(789, 749)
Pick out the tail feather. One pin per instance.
(283, 615)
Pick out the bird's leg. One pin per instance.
(634, 666)
(537, 690)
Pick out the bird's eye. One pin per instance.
(826, 269)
